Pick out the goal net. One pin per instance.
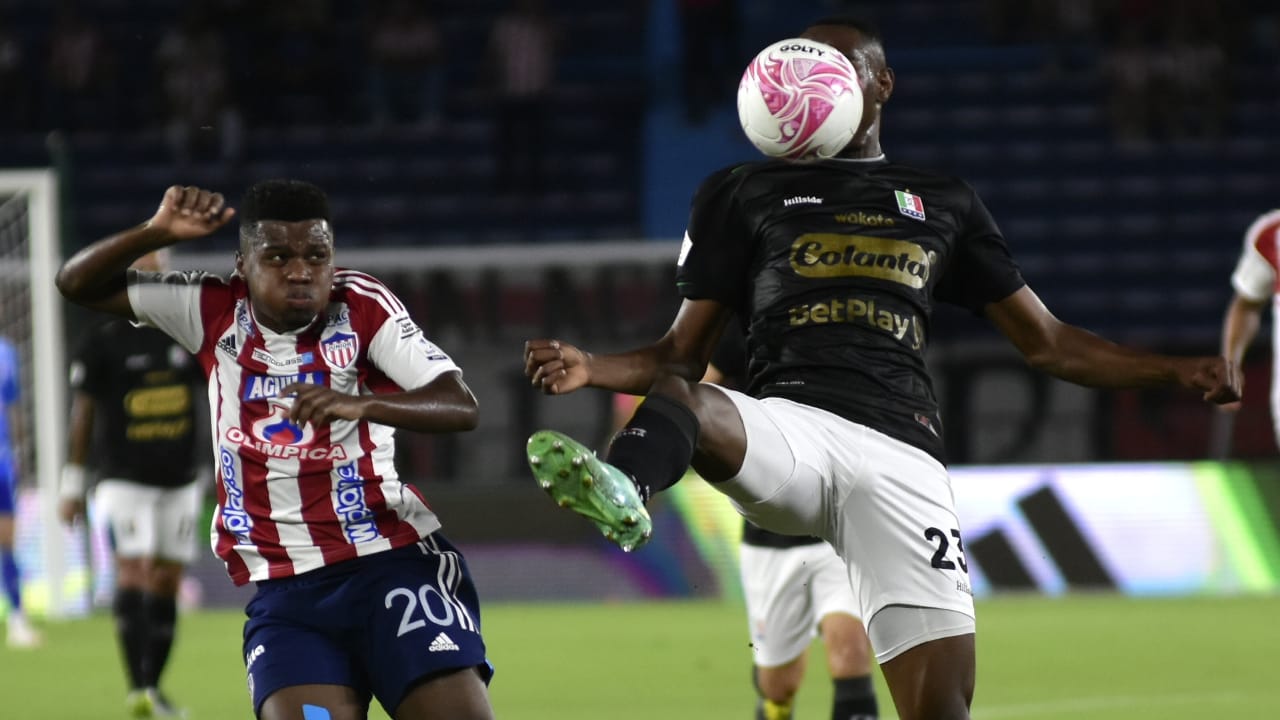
(31, 320)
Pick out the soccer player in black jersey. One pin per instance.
(835, 267)
(137, 393)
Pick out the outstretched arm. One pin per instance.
(79, 432)
(556, 367)
(97, 276)
(1078, 356)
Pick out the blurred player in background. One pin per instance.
(796, 587)
(311, 368)
(19, 632)
(835, 265)
(137, 393)
(1254, 282)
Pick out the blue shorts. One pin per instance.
(8, 486)
(380, 624)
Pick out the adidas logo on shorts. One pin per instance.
(442, 643)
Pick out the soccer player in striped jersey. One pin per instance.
(1254, 281)
(835, 266)
(311, 368)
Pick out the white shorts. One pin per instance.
(146, 521)
(887, 507)
(788, 591)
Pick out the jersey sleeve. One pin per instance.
(716, 252)
(1255, 274)
(404, 354)
(170, 302)
(981, 270)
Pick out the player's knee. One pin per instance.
(779, 684)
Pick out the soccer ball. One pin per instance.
(800, 99)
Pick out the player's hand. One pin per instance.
(1218, 378)
(318, 405)
(190, 212)
(70, 510)
(556, 367)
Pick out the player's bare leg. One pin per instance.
(459, 695)
(314, 702)
(934, 680)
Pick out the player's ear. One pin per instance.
(884, 83)
(239, 263)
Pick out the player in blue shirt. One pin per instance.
(20, 633)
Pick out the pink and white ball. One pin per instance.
(800, 100)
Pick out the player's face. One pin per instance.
(867, 58)
(288, 267)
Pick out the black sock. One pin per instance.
(129, 609)
(854, 699)
(162, 616)
(656, 445)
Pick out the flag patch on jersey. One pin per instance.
(909, 205)
(339, 350)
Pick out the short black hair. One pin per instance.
(864, 27)
(283, 200)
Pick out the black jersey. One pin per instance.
(836, 266)
(144, 389)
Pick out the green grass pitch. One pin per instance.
(1096, 657)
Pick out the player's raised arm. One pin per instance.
(1078, 356)
(96, 276)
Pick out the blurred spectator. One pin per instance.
(298, 68)
(522, 47)
(1129, 67)
(1191, 81)
(200, 109)
(15, 85)
(406, 77)
(80, 87)
(710, 61)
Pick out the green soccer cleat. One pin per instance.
(578, 480)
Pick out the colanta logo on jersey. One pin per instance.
(828, 255)
(265, 387)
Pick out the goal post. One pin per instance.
(31, 318)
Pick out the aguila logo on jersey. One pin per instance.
(265, 387)
(340, 349)
(909, 205)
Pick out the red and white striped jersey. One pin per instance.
(295, 498)
(1256, 275)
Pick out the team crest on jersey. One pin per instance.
(909, 205)
(340, 349)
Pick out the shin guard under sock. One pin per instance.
(656, 446)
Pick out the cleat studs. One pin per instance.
(577, 461)
(587, 481)
(546, 484)
(627, 547)
(563, 502)
(535, 460)
(564, 473)
(557, 445)
(630, 520)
